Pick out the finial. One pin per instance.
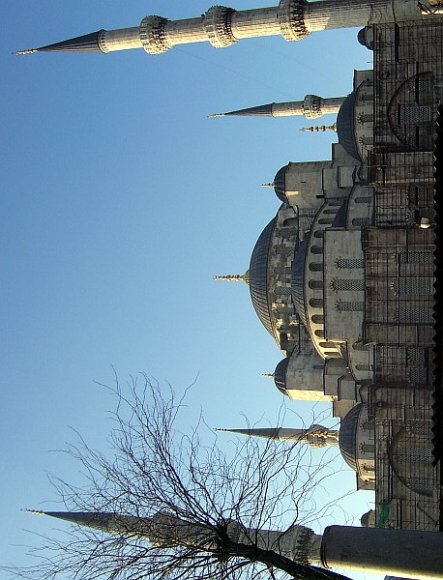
(234, 277)
(268, 375)
(216, 115)
(269, 185)
(35, 512)
(229, 277)
(320, 128)
(26, 51)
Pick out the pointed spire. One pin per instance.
(234, 277)
(267, 432)
(105, 521)
(85, 43)
(260, 110)
(315, 436)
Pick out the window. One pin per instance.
(350, 263)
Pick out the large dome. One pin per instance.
(258, 276)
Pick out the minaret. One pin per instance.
(315, 436)
(402, 553)
(311, 107)
(299, 543)
(222, 26)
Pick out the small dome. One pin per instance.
(347, 436)
(298, 280)
(365, 37)
(280, 375)
(258, 276)
(280, 184)
(346, 126)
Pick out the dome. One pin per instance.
(298, 280)
(258, 276)
(365, 37)
(347, 436)
(346, 126)
(280, 183)
(280, 375)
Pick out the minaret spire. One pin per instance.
(86, 43)
(315, 436)
(104, 521)
(222, 26)
(311, 107)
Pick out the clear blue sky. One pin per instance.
(120, 201)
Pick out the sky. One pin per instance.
(121, 200)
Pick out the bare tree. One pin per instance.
(180, 507)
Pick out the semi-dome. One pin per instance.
(340, 216)
(298, 280)
(346, 126)
(280, 375)
(258, 276)
(347, 437)
(280, 183)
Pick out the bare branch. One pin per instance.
(178, 506)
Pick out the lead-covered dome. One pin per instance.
(347, 437)
(346, 126)
(280, 184)
(280, 375)
(258, 276)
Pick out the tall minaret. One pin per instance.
(315, 436)
(299, 543)
(222, 26)
(311, 107)
(402, 553)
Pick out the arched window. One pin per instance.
(315, 267)
(316, 284)
(318, 319)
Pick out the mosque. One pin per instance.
(343, 276)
